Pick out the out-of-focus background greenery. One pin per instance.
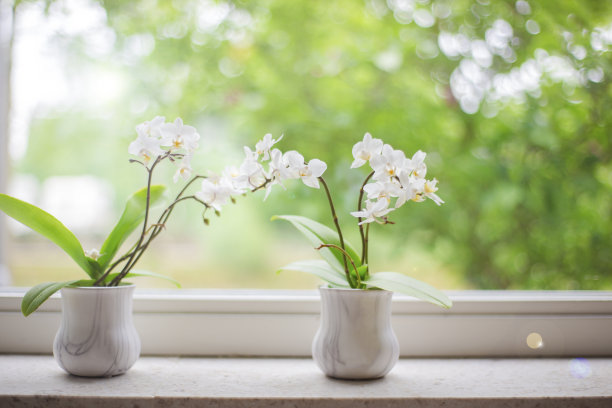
(511, 100)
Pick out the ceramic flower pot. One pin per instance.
(355, 339)
(97, 337)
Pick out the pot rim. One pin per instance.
(354, 290)
(125, 286)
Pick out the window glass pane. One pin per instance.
(510, 100)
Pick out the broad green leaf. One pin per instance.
(132, 217)
(49, 227)
(40, 293)
(317, 234)
(326, 253)
(319, 268)
(397, 282)
(137, 273)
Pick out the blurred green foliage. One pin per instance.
(527, 179)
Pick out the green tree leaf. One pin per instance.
(132, 216)
(319, 268)
(37, 295)
(400, 283)
(49, 227)
(318, 234)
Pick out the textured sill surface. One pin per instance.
(32, 381)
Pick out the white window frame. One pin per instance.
(283, 323)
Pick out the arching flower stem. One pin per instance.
(346, 255)
(337, 224)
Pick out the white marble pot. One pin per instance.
(355, 339)
(97, 337)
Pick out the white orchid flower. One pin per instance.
(249, 154)
(417, 165)
(430, 191)
(279, 171)
(309, 173)
(179, 136)
(379, 190)
(254, 172)
(295, 163)
(264, 145)
(184, 169)
(373, 211)
(279, 168)
(366, 149)
(238, 180)
(411, 188)
(146, 147)
(214, 193)
(152, 128)
(388, 164)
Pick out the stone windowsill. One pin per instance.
(29, 381)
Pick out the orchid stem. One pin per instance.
(347, 256)
(366, 246)
(337, 224)
(364, 243)
(129, 265)
(155, 229)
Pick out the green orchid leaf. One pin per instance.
(363, 270)
(137, 273)
(132, 217)
(40, 293)
(318, 234)
(400, 283)
(49, 227)
(326, 253)
(319, 268)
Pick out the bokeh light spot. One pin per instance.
(523, 7)
(532, 27)
(535, 341)
(423, 18)
(580, 368)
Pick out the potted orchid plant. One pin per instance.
(355, 339)
(99, 307)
